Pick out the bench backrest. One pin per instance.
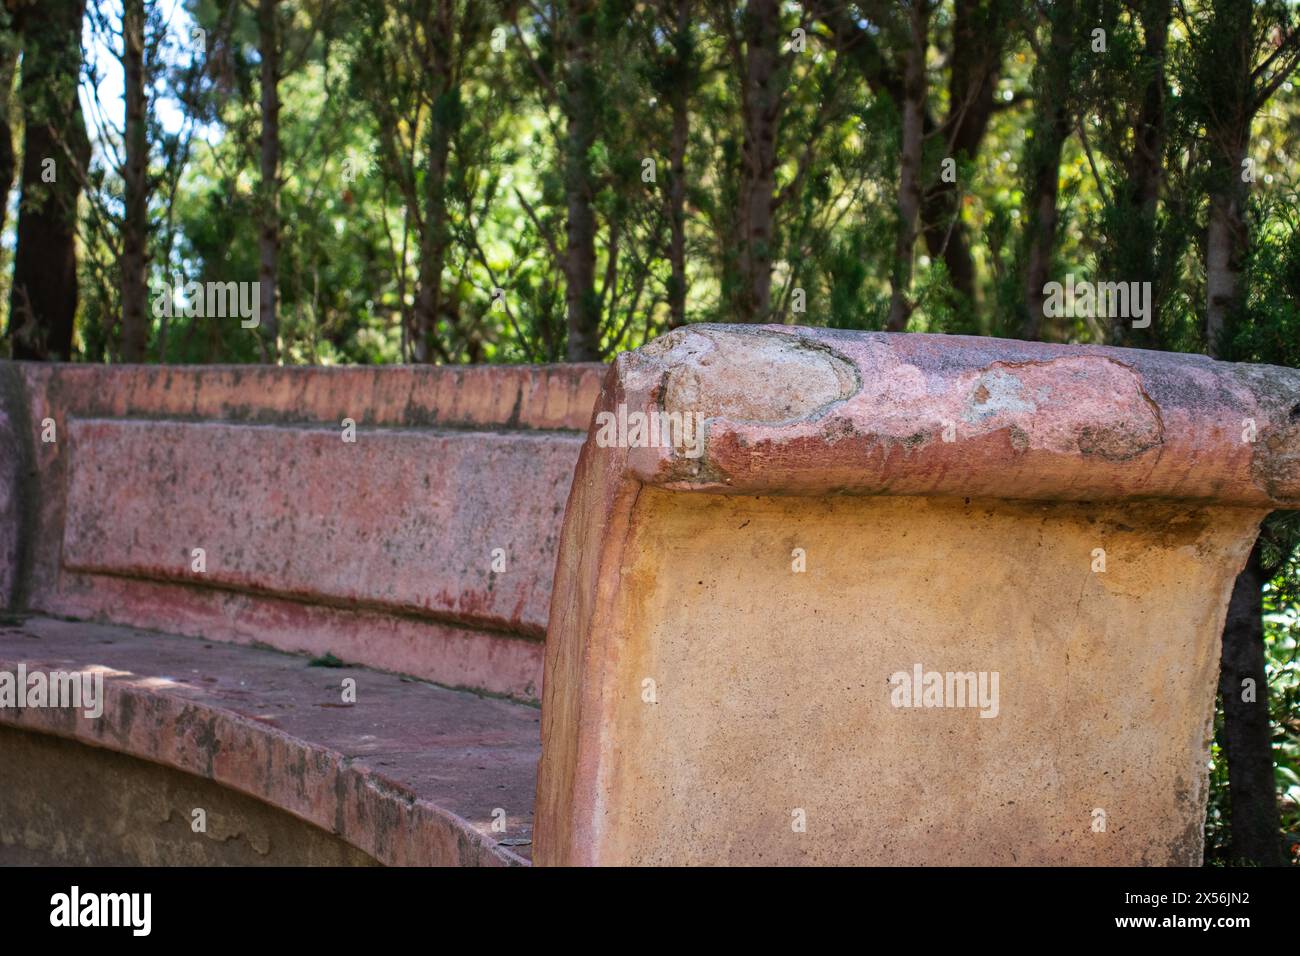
(403, 518)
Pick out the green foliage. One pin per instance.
(1269, 332)
(1282, 667)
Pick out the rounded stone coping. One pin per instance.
(471, 396)
(789, 410)
(410, 774)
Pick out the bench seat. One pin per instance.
(410, 774)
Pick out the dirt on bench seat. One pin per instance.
(406, 772)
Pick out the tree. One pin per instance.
(413, 72)
(578, 101)
(268, 242)
(135, 177)
(910, 157)
(10, 48)
(1242, 53)
(1245, 51)
(762, 79)
(1132, 104)
(670, 50)
(981, 33)
(43, 298)
(1053, 119)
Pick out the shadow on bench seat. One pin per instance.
(409, 774)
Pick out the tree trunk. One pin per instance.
(678, 103)
(1247, 736)
(135, 221)
(977, 40)
(909, 179)
(579, 103)
(43, 298)
(268, 244)
(1131, 252)
(762, 106)
(433, 245)
(10, 47)
(1226, 242)
(1146, 170)
(439, 32)
(1228, 51)
(1051, 127)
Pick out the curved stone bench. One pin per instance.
(759, 634)
(908, 599)
(409, 774)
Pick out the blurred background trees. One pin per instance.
(458, 181)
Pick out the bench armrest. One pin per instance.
(900, 599)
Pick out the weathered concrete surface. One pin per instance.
(410, 774)
(1027, 420)
(448, 654)
(66, 804)
(707, 702)
(400, 519)
(320, 545)
(479, 396)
